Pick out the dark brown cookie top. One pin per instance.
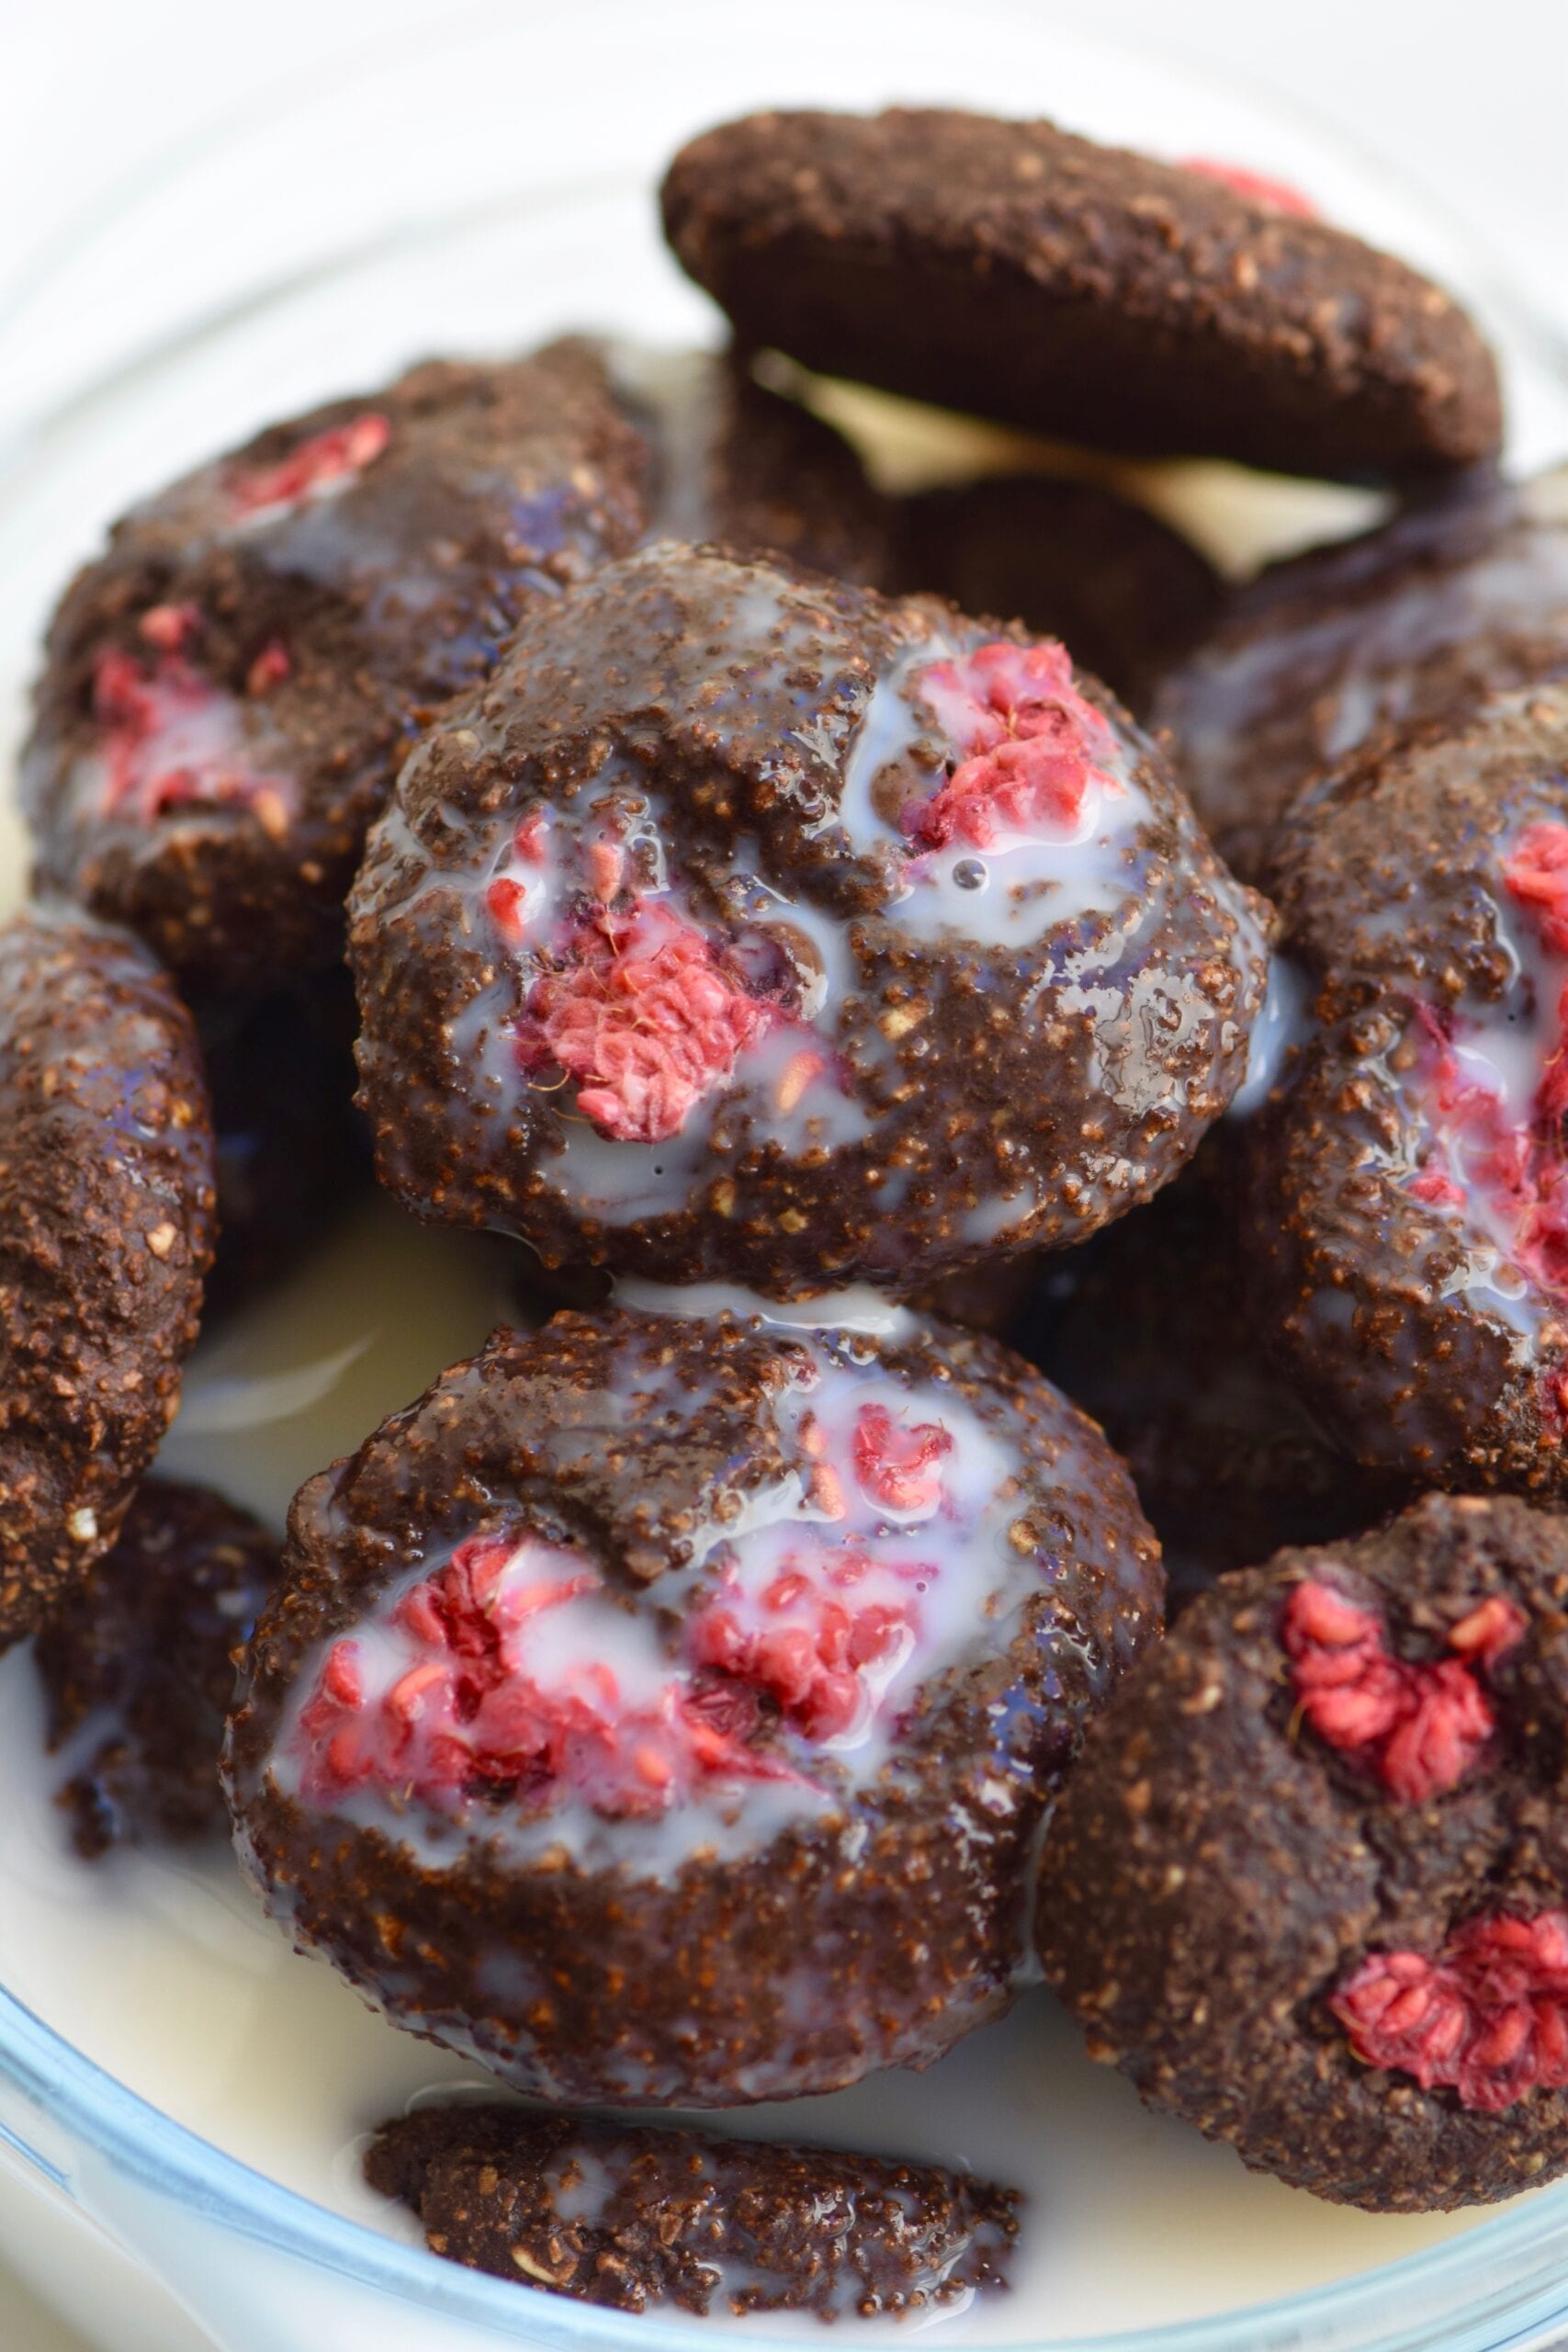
(647, 1637)
(229, 688)
(1152, 1327)
(1306, 1885)
(635, 2218)
(1068, 559)
(751, 926)
(106, 1233)
(1466, 592)
(1014, 270)
(138, 1667)
(738, 464)
(1409, 1203)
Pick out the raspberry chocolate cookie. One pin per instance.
(138, 1663)
(1466, 592)
(663, 1710)
(230, 687)
(1409, 1199)
(1068, 559)
(1012, 269)
(293, 1153)
(106, 1233)
(633, 2218)
(751, 926)
(1152, 1330)
(736, 463)
(1308, 1884)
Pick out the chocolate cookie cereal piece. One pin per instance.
(293, 1153)
(1153, 1330)
(751, 927)
(140, 1656)
(1015, 270)
(1409, 1200)
(230, 687)
(1068, 559)
(663, 1710)
(629, 2217)
(106, 1232)
(1466, 592)
(1307, 1883)
(736, 463)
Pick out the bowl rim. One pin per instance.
(1502, 2262)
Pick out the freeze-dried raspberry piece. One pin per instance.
(171, 740)
(896, 1464)
(819, 1650)
(645, 1018)
(1256, 187)
(1032, 745)
(1419, 1728)
(326, 459)
(473, 1703)
(1511, 1173)
(1488, 2018)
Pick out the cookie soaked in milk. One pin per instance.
(1131, 2219)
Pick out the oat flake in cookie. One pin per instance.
(1308, 1884)
(138, 1666)
(663, 1710)
(229, 688)
(750, 926)
(1408, 1202)
(106, 1233)
(632, 2218)
(1464, 592)
(1014, 270)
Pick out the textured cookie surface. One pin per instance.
(106, 1233)
(1015, 270)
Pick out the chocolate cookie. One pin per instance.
(1308, 1884)
(1068, 559)
(632, 2218)
(736, 463)
(750, 926)
(230, 687)
(138, 1661)
(1465, 592)
(106, 1232)
(1409, 1201)
(293, 1153)
(663, 1710)
(1014, 270)
(1151, 1327)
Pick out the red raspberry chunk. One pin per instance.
(170, 738)
(647, 1020)
(896, 1465)
(476, 1700)
(1510, 1172)
(816, 1649)
(318, 464)
(1488, 2018)
(1255, 187)
(1417, 1729)
(1032, 746)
